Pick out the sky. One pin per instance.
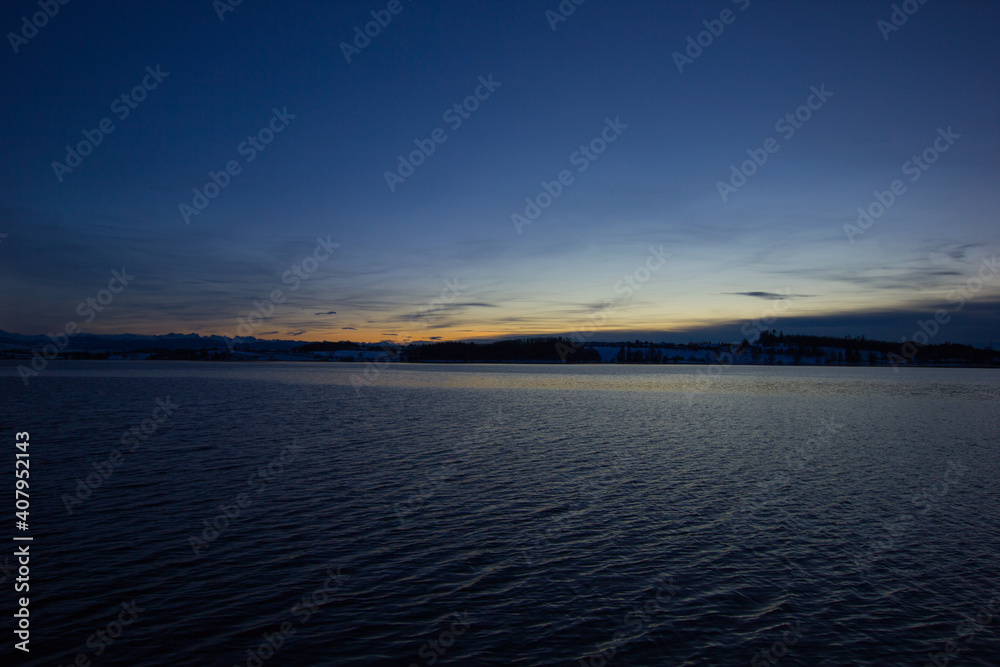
(614, 169)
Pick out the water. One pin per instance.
(497, 515)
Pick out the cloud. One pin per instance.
(295, 333)
(437, 310)
(329, 312)
(348, 328)
(958, 252)
(771, 296)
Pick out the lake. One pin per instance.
(305, 514)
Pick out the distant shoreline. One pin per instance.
(460, 362)
(765, 348)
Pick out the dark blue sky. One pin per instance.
(438, 254)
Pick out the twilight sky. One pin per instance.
(649, 234)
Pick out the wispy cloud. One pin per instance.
(771, 296)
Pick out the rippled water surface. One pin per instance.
(497, 515)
